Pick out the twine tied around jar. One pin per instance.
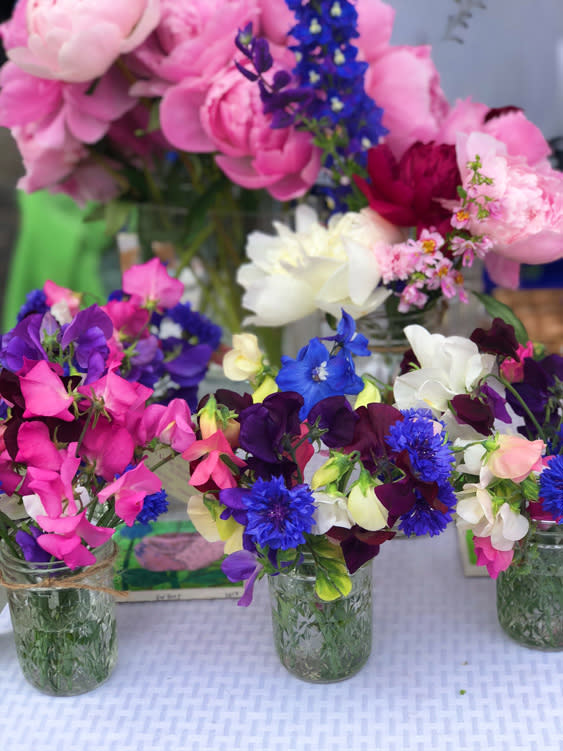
(71, 582)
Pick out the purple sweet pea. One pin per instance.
(24, 340)
(89, 330)
(263, 426)
(336, 416)
(242, 566)
(190, 365)
(32, 551)
(474, 412)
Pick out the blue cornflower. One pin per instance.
(430, 452)
(423, 519)
(195, 325)
(154, 505)
(279, 517)
(551, 487)
(35, 302)
(316, 375)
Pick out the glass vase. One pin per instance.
(384, 329)
(65, 636)
(530, 591)
(318, 641)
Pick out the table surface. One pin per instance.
(204, 676)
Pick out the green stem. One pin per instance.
(525, 407)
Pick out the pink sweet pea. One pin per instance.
(130, 490)
(118, 395)
(65, 536)
(79, 41)
(153, 285)
(515, 457)
(55, 486)
(35, 447)
(212, 468)
(55, 294)
(108, 447)
(513, 370)
(174, 426)
(495, 560)
(45, 394)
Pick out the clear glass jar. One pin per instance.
(384, 329)
(530, 592)
(318, 641)
(66, 639)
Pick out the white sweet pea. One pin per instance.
(244, 360)
(328, 268)
(34, 505)
(366, 509)
(448, 366)
(330, 511)
(13, 507)
(475, 512)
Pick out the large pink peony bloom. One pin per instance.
(79, 41)
(193, 41)
(229, 119)
(526, 218)
(405, 83)
(508, 124)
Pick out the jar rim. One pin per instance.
(12, 563)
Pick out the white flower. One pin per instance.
(328, 268)
(244, 360)
(448, 366)
(366, 509)
(475, 512)
(330, 511)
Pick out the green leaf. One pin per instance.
(117, 216)
(497, 309)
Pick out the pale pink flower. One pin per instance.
(512, 369)
(412, 296)
(73, 41)
(153, 285)
(509, 125)
(495, 560)
(193, 41)
(56, 294)
(528, 223)
(515, 457)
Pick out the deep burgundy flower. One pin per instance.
(358, 546)
(500, 339)
(406, 192)
(264, 426)
(337, 417)
(371, 428)
(408, 362)
(472, 411)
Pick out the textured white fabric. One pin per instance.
(204, 676)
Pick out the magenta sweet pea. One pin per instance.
(88, 395)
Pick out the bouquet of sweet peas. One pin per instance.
(295, 469)
(502, 401)
(88, 395)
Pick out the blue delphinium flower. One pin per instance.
(279, 517)
(551, 487)
(154, 505)
(35, 302)
(348, 338)
(429, 451)
(316, 375)
(423, 519)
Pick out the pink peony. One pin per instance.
(508, 124)
(375, 25)
(192, 42)
(276, 19)
(525, 223)
(229, 119)
(405, 83)
(78, 41)
(515, 457)
(495, 560)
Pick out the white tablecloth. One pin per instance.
(204, 676)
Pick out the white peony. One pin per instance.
(292, 274)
